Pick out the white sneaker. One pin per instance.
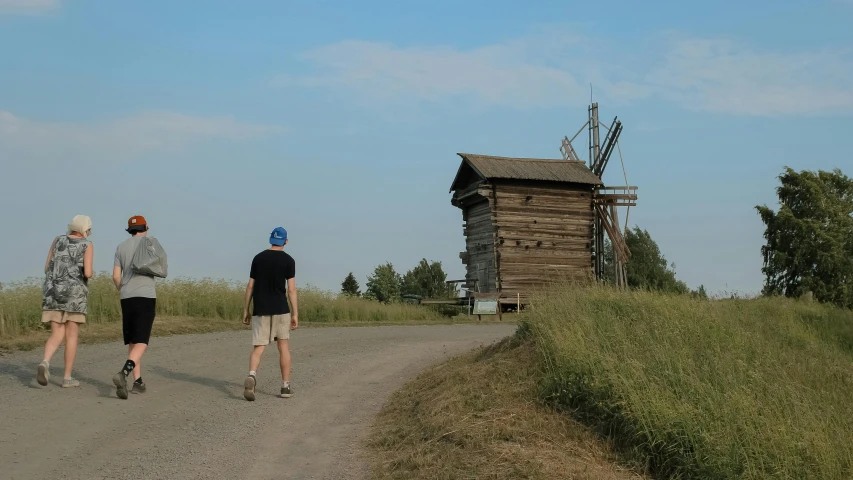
(43, 375)
(70, 383)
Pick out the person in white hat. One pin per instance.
(65, 295)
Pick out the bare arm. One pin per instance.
(49, 255)
(294, 309)
(88, 259)
(248, 299)
(117, 277)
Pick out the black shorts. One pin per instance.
(137, 318)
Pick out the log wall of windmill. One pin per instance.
(544, 233)
(479, 254)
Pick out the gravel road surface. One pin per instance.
(193, 422)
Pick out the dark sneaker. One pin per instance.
(286, 392)
(43, 373)
(138, 387)
(120, 382)
(249, 388)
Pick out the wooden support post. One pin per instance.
(594, 152)
(617, 261)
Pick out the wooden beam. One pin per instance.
(544, 231)
(615, 196)
(568, 190)
(613, 231)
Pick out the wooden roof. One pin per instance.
(489, 167)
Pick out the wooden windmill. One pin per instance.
(605, 200)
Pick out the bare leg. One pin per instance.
(255, 358)
(57, 334)
(71, 331)
(284, 359)
(134, 352)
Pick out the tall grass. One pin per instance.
(20, 304)
(704, 389)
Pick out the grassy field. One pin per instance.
(191, 306)
(703, 389)
(475, 416)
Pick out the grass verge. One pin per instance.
(476, 416)
(703, 389)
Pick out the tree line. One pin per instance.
(425, 280)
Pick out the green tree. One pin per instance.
(609, 273)
(647, 267)
(700, 292)
(427, 280)
(350, 286)
(809, 240)
(384, 284)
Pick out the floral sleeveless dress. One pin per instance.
(65, 287)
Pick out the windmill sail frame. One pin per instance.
(605, 199)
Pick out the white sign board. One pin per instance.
(485, 307)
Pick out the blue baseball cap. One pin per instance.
(278, 236)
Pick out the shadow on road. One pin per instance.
(26, 375)
(223, 386)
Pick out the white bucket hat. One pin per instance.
(80, 224)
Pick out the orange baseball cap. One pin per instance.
(137, 222)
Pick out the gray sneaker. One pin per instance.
(120, 381)
(138, 387)
(70, 383)
(43, 375)
(286, 392)
(249, 388)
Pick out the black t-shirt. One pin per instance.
(271, 269)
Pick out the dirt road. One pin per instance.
(193, 422)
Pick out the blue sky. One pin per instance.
(341, 121)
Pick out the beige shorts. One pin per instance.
(57, 316)
(267, 329)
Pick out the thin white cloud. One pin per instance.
(122, 138)
(553, 70)
(723, 76)
(28, 7)
(516, 74)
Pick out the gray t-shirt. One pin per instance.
(132, 285)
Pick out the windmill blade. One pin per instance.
(609, 143)
(568, 151)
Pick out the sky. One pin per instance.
(341, 121)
